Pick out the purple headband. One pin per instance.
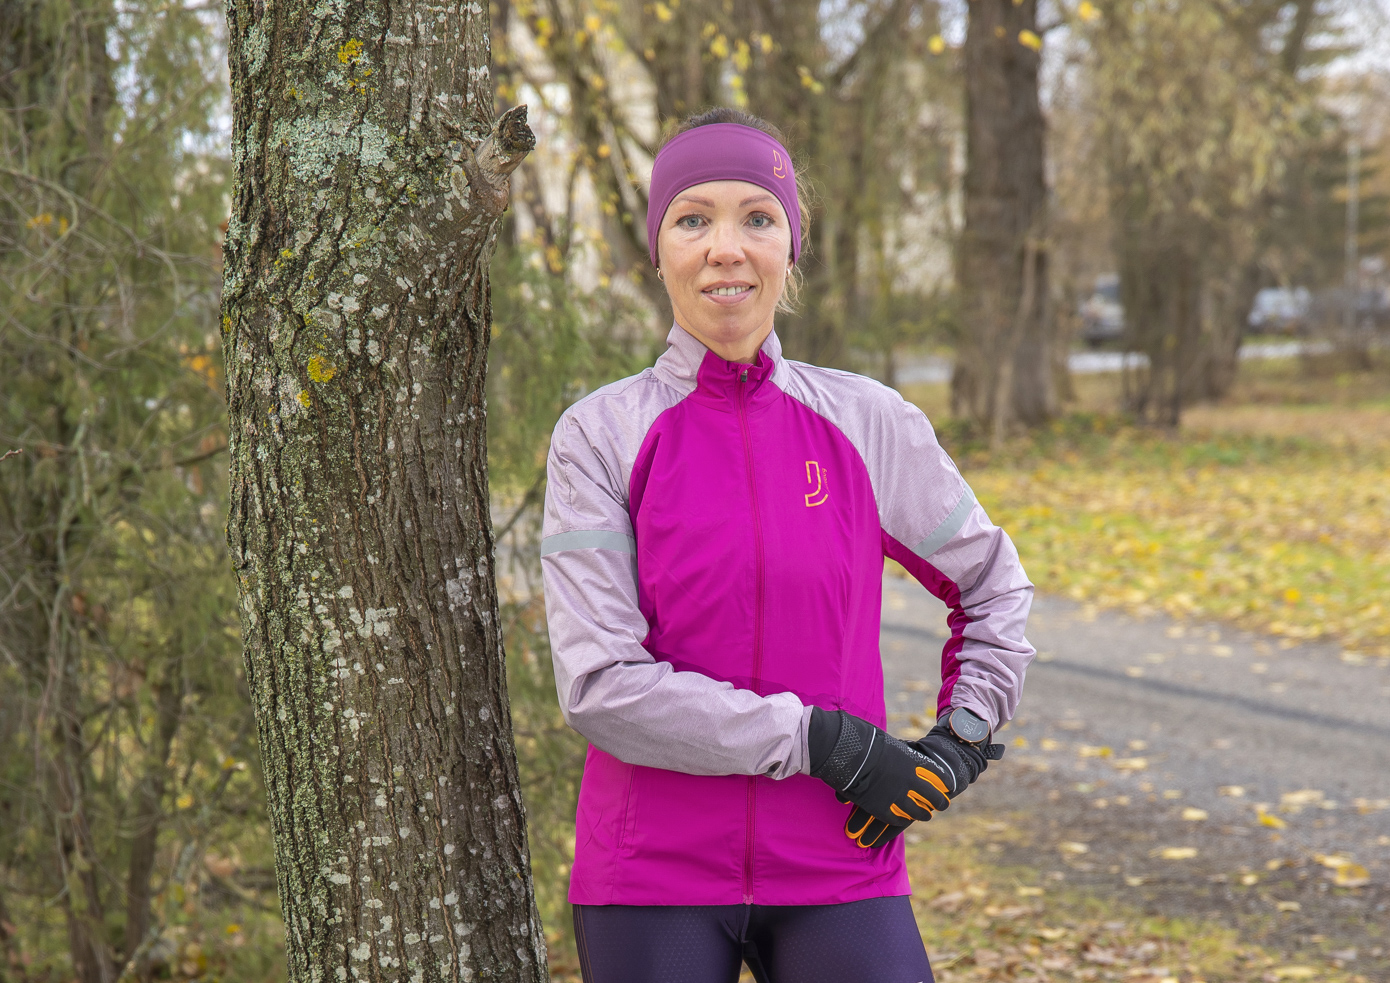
(722, 152)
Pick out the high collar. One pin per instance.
(687, 364)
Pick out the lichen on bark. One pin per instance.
(370, 180)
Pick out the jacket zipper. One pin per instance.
(759, 578)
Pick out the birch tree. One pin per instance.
(370, 181)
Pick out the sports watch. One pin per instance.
(965, 726)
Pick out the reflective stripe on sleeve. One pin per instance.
(942, 534)
(586, 539)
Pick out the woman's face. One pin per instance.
(724, 248)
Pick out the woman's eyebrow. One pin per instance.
(696, 201)
(756, 198)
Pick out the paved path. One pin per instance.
(1127, 726)
(937, 368)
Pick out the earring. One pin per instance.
(659, 275)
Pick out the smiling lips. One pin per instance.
(730, 291)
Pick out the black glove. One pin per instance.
(892, 784)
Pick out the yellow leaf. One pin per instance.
(1020, 742)
(1050, 934)
(719, 47)
(233, 928)
(1030, 40)
(592, 23)
(1295, 972)
(1287, 905)
(184, 801)
(1177, 852)
(1134, 881)
(663, 12)
(1073, 847)
(937, 44)
(1131, 764)
(1249, 880)
(1273, 822)
(1352, 875)
(1087, 751)
(1193, 815)
(1292, 595)
(1087, 11)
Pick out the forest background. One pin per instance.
(1201, 151)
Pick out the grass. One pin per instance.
(1271, 511)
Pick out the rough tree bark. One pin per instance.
(370, 182)
(1004, 364)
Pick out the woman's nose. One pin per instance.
(725, 245)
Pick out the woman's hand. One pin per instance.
(892, 784)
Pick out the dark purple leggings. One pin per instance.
(873, 941)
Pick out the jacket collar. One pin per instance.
(680, 366)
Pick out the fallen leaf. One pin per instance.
(1194, 815)
(1134, 881)
(1332, 861)
(1101, 957)
(1294, 972)
(1130, 764)
(1073, 847)
(1048, 744)
(1027, 891)
(948, 902)
(1265, 819)
(1249, 880)
(1287, 905)
(1050, 934)
(1087, 751)
(1294, 801)
(1177, 852)
(1233, 791)
(1351, 875)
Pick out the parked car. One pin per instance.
(1102, 315)
(1281, 310)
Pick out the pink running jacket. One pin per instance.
(713, 561)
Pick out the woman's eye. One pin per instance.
(760, 221)
(689, 222)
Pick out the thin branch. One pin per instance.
(9, 454)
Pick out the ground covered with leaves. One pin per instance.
(985, 921)
(1272, 513)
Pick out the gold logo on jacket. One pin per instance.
(816, 476)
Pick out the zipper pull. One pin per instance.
(743, 377)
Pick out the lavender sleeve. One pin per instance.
(935, 528)
(611, 689)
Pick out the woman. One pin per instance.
(713, 548)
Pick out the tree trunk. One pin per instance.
(370, 182)
(1004, 363)
(149, 803)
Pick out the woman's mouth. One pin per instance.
(737, 291)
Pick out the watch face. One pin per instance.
(967, 726)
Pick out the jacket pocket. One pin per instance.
(629, 811)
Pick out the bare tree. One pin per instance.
(370, 182)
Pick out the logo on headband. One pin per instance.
(779, 166)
